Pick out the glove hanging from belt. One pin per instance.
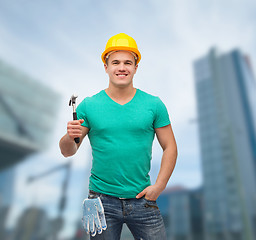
(93, 216)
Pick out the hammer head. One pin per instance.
(72, 99)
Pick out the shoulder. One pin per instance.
(147, 95)
(155, 103)
(90, 102)
(94, 98)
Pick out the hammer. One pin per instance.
(73, 102)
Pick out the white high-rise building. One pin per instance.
(226, 102)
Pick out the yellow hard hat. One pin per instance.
(121, 41)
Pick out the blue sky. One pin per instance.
(59, 43)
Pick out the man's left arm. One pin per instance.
(167, 141)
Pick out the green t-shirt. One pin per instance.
(121, 137)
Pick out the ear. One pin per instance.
(106, 67)
(136, 67)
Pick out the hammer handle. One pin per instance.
(77, 140)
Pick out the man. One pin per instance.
(121, 122)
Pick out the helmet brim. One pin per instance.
(118, 48)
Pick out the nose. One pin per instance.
(121, 67)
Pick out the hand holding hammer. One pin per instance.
(72, 102)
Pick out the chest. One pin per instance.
(111, 118)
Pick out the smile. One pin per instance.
(121, 75)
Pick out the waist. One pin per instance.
(93, 194)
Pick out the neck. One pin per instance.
(120, 93)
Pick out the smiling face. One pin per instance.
(121, 68)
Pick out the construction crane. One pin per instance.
(58, 222)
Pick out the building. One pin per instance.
(182, 211)
(33, 224)
(196, 203)
(27, 111)
(226, 103)
(6, 196)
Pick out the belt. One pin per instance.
(97, 193)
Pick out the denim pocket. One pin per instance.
(150, 204)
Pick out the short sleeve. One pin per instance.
(161, 115)
(81, 113)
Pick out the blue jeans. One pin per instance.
(142, 217)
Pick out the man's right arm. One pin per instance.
(67, 144)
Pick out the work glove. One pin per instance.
(93, 216)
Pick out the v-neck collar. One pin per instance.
(122, 105)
